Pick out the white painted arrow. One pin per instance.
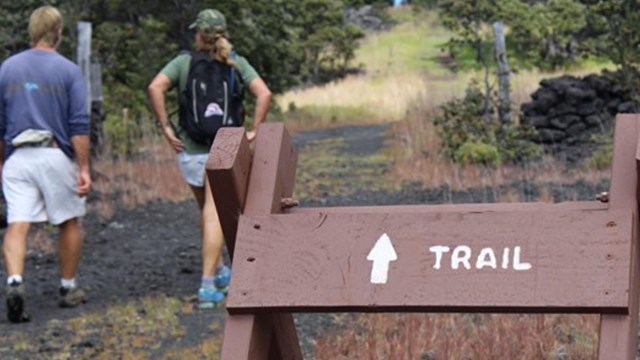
(381, 254)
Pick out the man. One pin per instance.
(210, 41)
(44, 147)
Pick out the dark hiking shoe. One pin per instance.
(71, 297)
(15, 303)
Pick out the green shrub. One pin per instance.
(515, 143)
(120, 134)
(471, 121)
(602, 157)
(478, 153)
(464, 120)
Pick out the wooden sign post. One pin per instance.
(574, 257)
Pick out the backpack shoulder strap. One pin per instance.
(197, 56)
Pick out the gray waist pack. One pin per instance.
(33, 137)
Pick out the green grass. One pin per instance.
(134, 330)
(323, 169)
(411, 47)
(322, 116)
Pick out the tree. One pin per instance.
(322, 38)
(470, 23)
(537, 31)
(613, 30)
(540, 35)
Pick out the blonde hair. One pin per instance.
(45, 26)
(217, 46)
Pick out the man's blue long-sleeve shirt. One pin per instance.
(42, 89)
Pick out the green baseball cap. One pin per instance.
(210, 21)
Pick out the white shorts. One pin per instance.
(192, 167)
(40, 184)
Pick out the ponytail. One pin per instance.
(218, 47)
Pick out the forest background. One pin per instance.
(296, 44)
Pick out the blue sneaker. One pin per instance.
(209, 298)
(222, 278)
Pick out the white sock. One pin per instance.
(14, 279)
(68, 283)
(207, 282)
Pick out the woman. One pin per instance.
(211, 37)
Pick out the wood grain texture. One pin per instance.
(318, 262)
(228, 168)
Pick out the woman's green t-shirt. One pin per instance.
(177, 70)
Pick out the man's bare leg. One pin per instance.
(15, 247)
(15, 250)
(69, 248)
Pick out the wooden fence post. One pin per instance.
(271, 178)
(504, 74)
(619, 333)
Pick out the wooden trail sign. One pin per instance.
(574, 257)
(517, 261)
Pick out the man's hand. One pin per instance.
(84, 183)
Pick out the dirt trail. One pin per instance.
(146, 259)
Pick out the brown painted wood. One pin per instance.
(612, 253)
(623, 174)
(260, 336)
(458, 208)
(318, 262)
(228, 168)
(247, 337)
(273, 170)
(285, 336)
(618, 333)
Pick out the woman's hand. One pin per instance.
(175, 142)
(251, 135)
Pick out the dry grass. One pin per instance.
(388, 97)
(151, 173)
(419, 155)
(420, 158)
(464, 336)
(383, 97)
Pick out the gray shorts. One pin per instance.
(192, 167)
(40, 184)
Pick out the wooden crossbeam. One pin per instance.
(495, 261)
